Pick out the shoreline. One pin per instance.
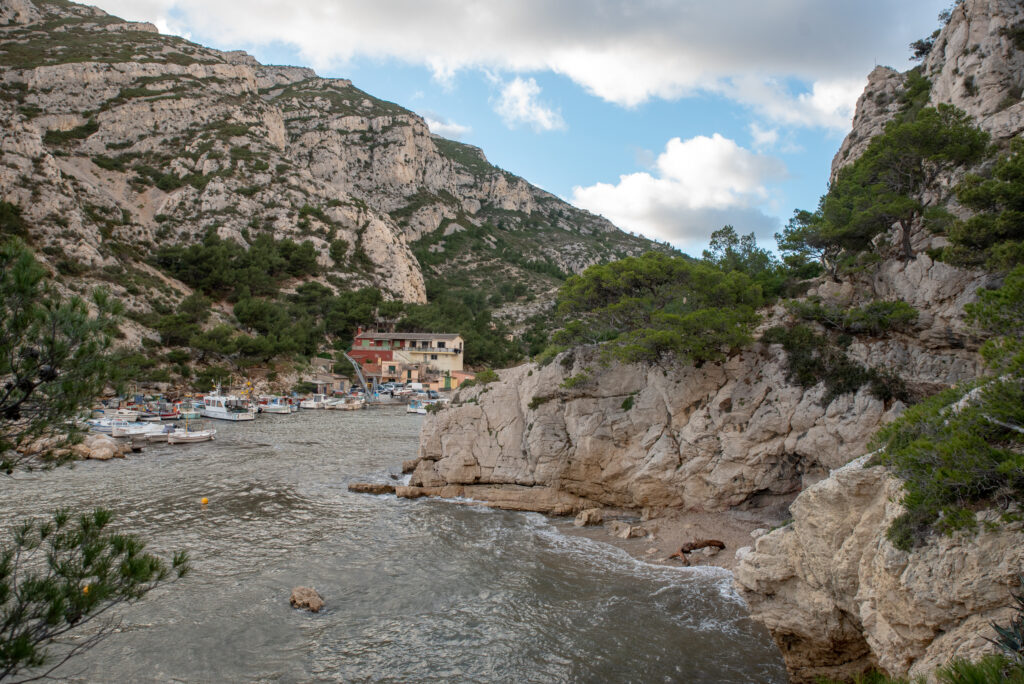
(670, 530)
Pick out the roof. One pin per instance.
(406, 336)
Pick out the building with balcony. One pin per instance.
(408, 357)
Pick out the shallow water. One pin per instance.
(420, 590)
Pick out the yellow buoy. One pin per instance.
(205, 501)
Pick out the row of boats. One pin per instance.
(165, 421)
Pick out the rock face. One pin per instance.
(711, 438)
(838, 597)
(306, 598)
(119, 141)
(976, 64)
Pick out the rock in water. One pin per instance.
(410, 465)
(591, 516)
(624, 530)
(371, 488)
(306, 598)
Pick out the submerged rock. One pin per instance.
(371, 488)
(306, 598)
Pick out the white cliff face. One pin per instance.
(839, 598)
(123, 141)
(975, 65)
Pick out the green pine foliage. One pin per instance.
(883, 187)
(875, 318)
(963, 449)
(994, 237)
(654, 306)
(57, 575)
(814, 358)
(224, 268)
(54, 355)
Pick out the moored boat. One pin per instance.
(416, 406)
(190, 436)
(227, 407)
(274, 404)
(316, 401)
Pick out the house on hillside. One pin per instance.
(431, 358)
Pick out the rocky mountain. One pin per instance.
(837, 595)
(119, 141)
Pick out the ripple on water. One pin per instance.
(416, 590)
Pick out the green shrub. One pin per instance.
(1010, 639)
(55, 137)
(487, 376)
(538, 401)
(874, 318)
(576, 381)
(963, 449)
(813, 358)
(627, 403)
(654, 306)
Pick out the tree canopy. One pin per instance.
(53, 353)
(655, 305)
(885, 186)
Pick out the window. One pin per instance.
(433, 357)
(440, 345)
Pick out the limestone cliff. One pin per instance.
(118, 140)
(836, 595)
(976, 64)
(839, 598)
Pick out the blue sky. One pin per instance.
(670, 117)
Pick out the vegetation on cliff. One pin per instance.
(53, 354)
(885, 186)
(654, 305)
(963, 449)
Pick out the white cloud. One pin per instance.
(519, 104)
(444, 128)
(622, 51)
(763, 137)
(697, 186)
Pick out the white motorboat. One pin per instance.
(416, 406)
(122, 428)
(163, 434)
(128, 415)
(350, 404)
(101, 425)
(226, 407)
(190, 437)
(316, 401)
(275, 405)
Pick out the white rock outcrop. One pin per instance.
(839, 598)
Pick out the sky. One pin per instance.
(671, 118)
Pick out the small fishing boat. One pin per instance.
(122, 428)
(101, 425)
(163, 434)
(350, 404)
(190, 436)
(316, 401)
(274, 405)
(129, 415)
(416, 406)
(227, 407)
(188, 410)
